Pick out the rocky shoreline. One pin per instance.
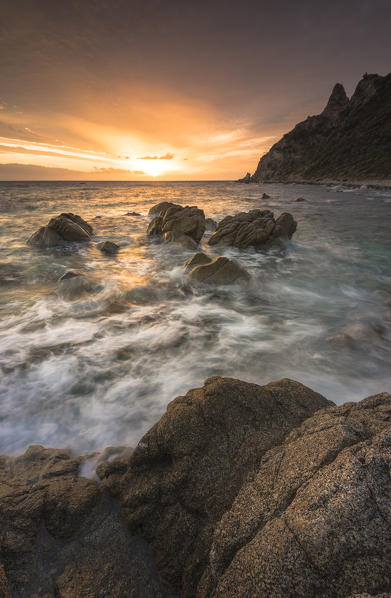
(370, 184)
(238, 490)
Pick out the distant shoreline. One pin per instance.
(370, 184)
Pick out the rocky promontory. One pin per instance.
(349, 141)
(239, 490)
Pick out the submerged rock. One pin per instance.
(182, 239)
(73, 284)
(174, 223)
(256, 228)
(299, 199)
(220, 271)
(108, 247)
(265, 196)
(210, 224)
(60, 230)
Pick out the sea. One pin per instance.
(99, 369)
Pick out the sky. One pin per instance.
(169, 89)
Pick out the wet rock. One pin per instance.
(132, 214)
(257, 228)
(198, 259)
(220, 271)
(73, 284)
(265, 196)
(357, 335)
(173, 222)
(299, 199)
(142, 295)
(210, 224)
(60, 230)
(161, 207)
(188, 468)
(64, 536)
(108, 247)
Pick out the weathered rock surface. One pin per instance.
(314, 520)
(176, 223)
(108, 247)
(60, 230)
(220, 271)
(239, 490)
(188, 468)
(63, 536)
(210, 224)
(257, 228)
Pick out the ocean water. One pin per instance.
(99, 370)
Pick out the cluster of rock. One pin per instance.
(239, 490)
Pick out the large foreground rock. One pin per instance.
(257, 228)
(60, 230)
(240, 491)
(188, 468)
(175, 223)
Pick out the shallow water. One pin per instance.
(101, 369)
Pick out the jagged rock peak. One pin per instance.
(337, 102)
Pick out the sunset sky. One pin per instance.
(167, 89)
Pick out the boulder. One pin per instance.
(161, 207)
(198, 259)
(178, 221)
(64, 536)
(60, 230)
(220, 271)
(188, 468)
(257, 228)
(108, 247)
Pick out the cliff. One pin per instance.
(350, 140)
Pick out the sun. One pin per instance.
(153, 167)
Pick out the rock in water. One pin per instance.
(220, 271)
(256, 228)
(108, 247)
(210, 224)
(188, 468)
(246, 179)
(61, 230)
(198, 259)
(175, 223)
(74, 284)
(299, 199)
(265, 196)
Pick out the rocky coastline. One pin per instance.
(238, 490)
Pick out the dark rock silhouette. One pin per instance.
(349, 140)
